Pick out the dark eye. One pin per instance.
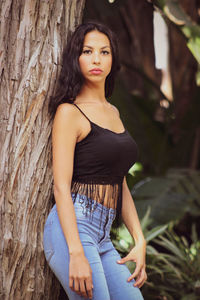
(105, 52)
(86, 51)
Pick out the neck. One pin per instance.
(93, 92)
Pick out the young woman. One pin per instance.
(92, 153)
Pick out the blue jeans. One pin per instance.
(109, 278)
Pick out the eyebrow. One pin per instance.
(92, 47)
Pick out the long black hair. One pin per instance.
(71, 79)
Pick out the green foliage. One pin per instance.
(173, 273)
(172, 263)
(169, 196)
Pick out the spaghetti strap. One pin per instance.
(82, 112)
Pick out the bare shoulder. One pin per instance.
(116, 109)
(66, 120)
(66, 113)
(65, 109)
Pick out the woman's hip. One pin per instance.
(95, 219)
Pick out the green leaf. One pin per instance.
(155, 232)
(169, 196)
(194, 46)
(170, 246)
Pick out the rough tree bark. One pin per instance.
(32, 36)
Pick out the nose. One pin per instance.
(96, 57)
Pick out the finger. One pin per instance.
(76, 285)
(135, 273)
(83, 289)
(121, 261)
(143, 281)
(141, 284)
(89, 287)
(71, 285)
(140, 278)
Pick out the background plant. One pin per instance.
(172, 263)
(174, 271)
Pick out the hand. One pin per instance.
(80, 275)
(137, 254)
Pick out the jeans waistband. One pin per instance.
(95, 205)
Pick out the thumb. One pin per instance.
(122, 260)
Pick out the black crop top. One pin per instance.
(101, 160)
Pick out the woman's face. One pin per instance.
(96, 54)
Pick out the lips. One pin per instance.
(96, 71)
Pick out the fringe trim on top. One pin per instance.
(106, 191)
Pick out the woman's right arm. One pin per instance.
(66, 129)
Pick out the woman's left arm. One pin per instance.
(131, 220)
